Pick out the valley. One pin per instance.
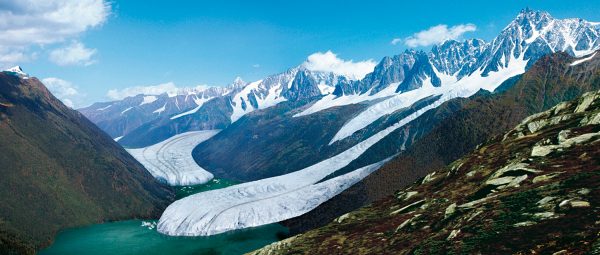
(468, 145)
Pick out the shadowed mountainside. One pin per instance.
(59, 170)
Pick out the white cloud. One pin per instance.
(24, 23)
(14, 57)
(63, 90)
(329, 62)
(395, 41)
(68, 102)
(256, 65)
(74, 54)
(116, 94)
(437, 34)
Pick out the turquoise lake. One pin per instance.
(141, 237)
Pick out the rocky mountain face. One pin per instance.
(452, 56)
(539, 180)
(59, 170)
(456, 127)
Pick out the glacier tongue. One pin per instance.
(579, 61)
(171, 160)
(264, 202)
(196, 215)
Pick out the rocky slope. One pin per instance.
(535, 188)
(59, 170)
(455, 128)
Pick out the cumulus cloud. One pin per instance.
(15, 57)
(396, 41)
(437, 34)
(74, 54)
(63, 90)
(118, 94)
(24, 23)
(329, 62)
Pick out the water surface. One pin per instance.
(141, 237)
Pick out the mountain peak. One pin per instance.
(529, 19)
(528, 13)
(238, 82)
(17, 70)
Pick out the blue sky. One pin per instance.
(142, 43)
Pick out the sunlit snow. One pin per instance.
(256, 203)
(148, 100)
(579, 61)
(171, 160)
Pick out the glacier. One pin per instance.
(256, 203)
(171, 160)
(282, 197)
(579, 61)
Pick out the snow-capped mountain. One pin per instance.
(17, 70)
(452, 68)
(531, 35)
(295, 84)
(400, 90)
(459, 69)
(151, 118)
(120, 117)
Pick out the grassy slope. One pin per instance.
(59, 170)
(463, 209)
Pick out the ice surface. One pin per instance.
(579, 61)
(331, 100)
(126, 110)
(171, 160)
(160, 110)
(256, 203)
(199, 102)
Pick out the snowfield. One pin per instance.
(171, 160)
(579, 61)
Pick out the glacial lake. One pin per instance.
(141, 237)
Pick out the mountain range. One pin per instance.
(146, 119)
(301, 119)
(309, 146)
